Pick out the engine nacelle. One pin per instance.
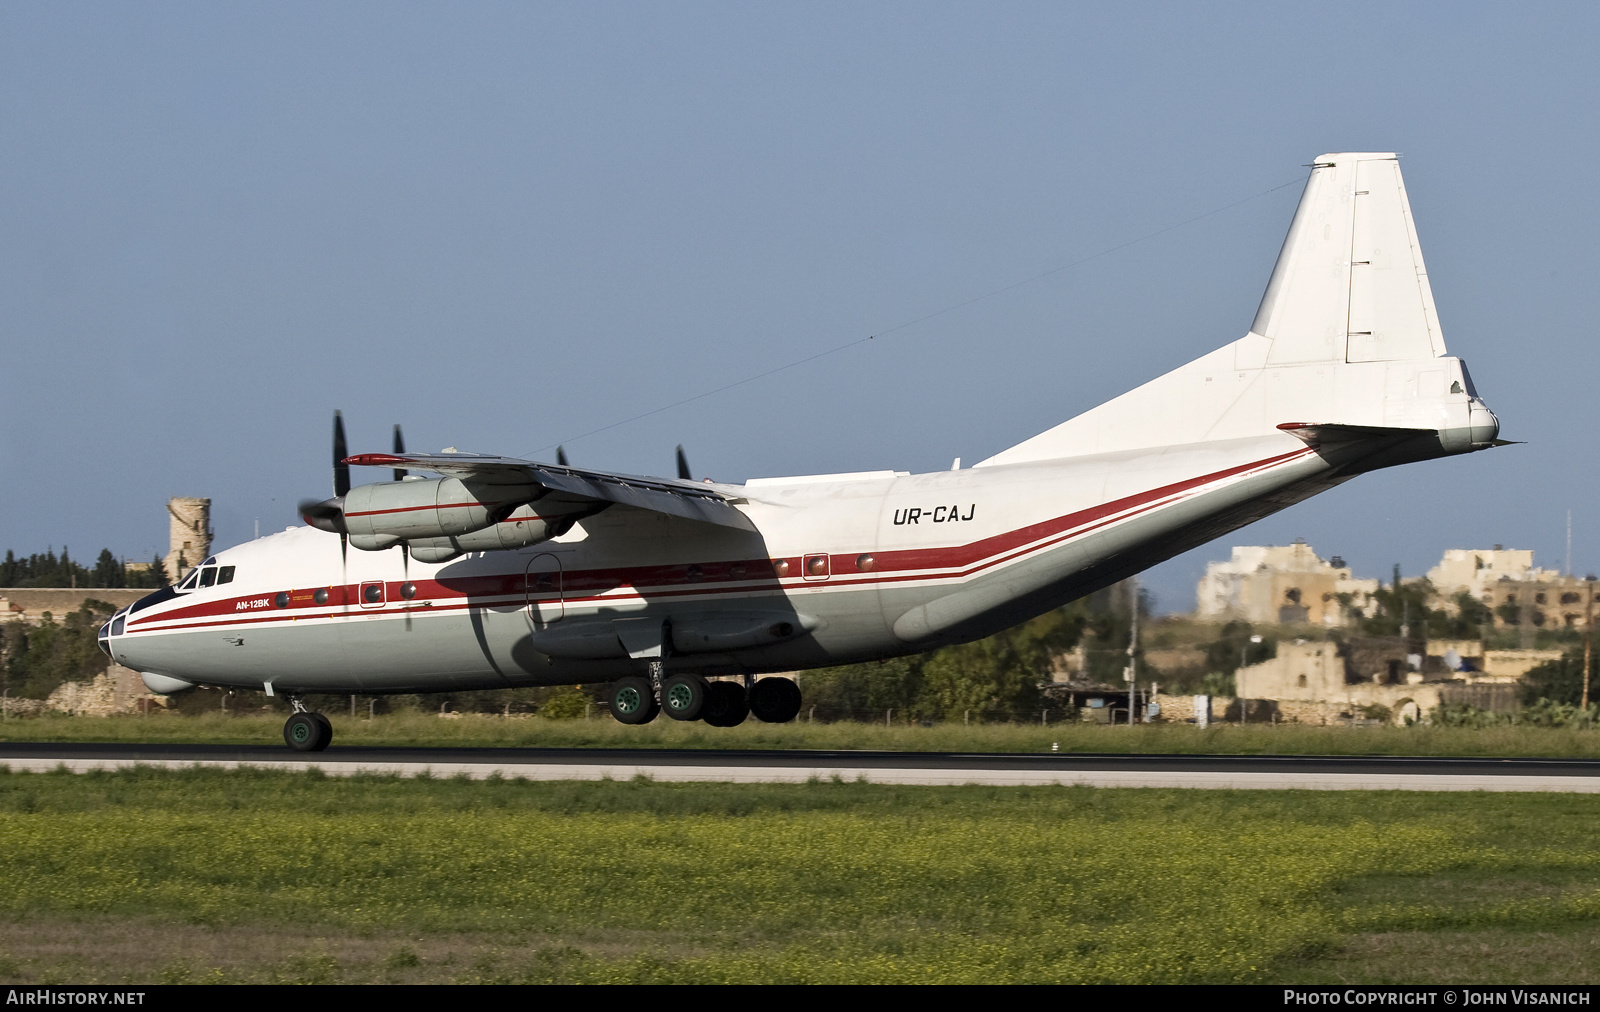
(522, 528)
(383, 514)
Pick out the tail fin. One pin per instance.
(1350, 285)
(1346, 334)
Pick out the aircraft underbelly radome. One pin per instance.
(595, 576)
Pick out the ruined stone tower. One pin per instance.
(191, 535)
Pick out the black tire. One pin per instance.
(632, 701)
(775, 700)
(327, 731)
(307, 732)
(726, 705)
(684, 696)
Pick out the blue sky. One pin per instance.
(507, 226)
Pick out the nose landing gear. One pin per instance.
(306, 731)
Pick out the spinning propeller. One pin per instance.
(328, 514)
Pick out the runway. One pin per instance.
(1231, 772)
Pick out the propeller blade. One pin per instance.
(341, 470)
(399, 451)
(683, 465)
(561, 456)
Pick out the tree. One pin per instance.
(1472, 615)
(50, 570)
(157, 574)
(55, 652)
(1000, 673)
(1559, 681)
(108, 572)
(860, 689)
(1406, 604)
(1233, 646)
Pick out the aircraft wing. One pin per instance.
(687, 499)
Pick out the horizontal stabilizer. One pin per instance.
(686, 499)
(1315, 434)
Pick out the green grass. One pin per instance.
(148, 876)
(423, 729)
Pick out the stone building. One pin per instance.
(117, 690)
(1520, 594)
(1282, 585)
(1325, 682)
(1560, 603)
(1475, 569)
(190, 531)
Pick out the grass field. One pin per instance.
(423, 729)
(146, 876)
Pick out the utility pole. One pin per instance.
(1133, 645)
(1588, 638)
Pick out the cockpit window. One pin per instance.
(225, 575)
(191, 581)
(208, 576)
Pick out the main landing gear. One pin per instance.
(306, 731)
(637, 700)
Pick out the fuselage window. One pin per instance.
(208, 576)
(225, 575)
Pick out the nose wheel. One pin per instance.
(305, 731)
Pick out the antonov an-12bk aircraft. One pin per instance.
(504, 572)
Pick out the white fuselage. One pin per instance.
(861, 567)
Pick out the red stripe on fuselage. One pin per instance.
(648, 582)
